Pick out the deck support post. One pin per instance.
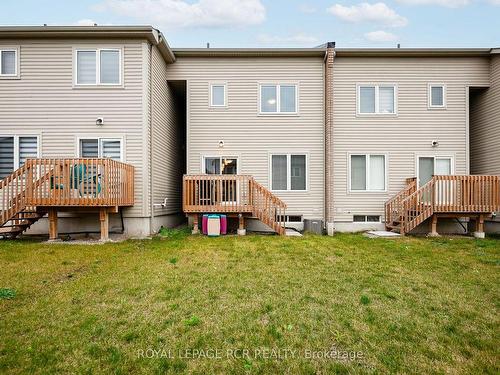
(104, 217)
(52, 224)
(479, 233)
(433, 226)
(196, 230)
(241, 225)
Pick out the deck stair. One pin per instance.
(443, 196)
(238, 195)
(42, 186)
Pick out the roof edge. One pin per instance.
(249, 52)
(149, 33)
(412, 52)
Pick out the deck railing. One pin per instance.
(67, 182)
(444, 194)
(233, 194)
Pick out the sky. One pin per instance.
(280, 23)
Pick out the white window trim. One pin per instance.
(434, 156)
(429, 96)
(210, 101)
(367, 164)
(377, 102)
(289, 171)
(16, 145)
(98, 67)
(99, 140)
(278, 85)
(220, 157)
(16, 74)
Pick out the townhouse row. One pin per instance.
(331, 134)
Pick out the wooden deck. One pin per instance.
(240, 195)
(443, 196)
(49, 185)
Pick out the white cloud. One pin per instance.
(378, 13)
(494, 2)
(381, 36)
(85, 22)
(444, 3)
(307, 8)
(299, 38)
(171, 14)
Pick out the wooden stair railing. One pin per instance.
(418, 207)
(233, 194)
(443, 195)
(267, 207)
(394, 206)
(26, 193)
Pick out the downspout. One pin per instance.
(329, 58)
(151, 216)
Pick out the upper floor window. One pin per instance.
(437, 94)
(218, 95)
(98, 67)
(288, 172)
(367, 172)
(376, 99)
(8, 63)
(278, 98)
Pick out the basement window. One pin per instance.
(366, 219)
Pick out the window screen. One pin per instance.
(218, 95)
(110, 67)
(287, 99)
(28, 148)
(268, 99)
(367, 99)
(6, 156)
(279, 172)
(437, 96)
(8, 62)
(298, 172)
(386, 99)
(86, 67)
(358, 172)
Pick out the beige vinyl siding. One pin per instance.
(167, 145)
(248, 135)
(485, 125)
(45, 103)
(403, 136)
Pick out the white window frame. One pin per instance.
(367, 171)
(220, 157)
(16, 145)
(429, 96)
(211, 86)
(99, 140)
(98, 67)
(434, 156)
(17, 64)
(278, 98)
(289, 171)
(377, 101)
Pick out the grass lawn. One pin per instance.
(257, 304)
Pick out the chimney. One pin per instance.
(208, 45)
